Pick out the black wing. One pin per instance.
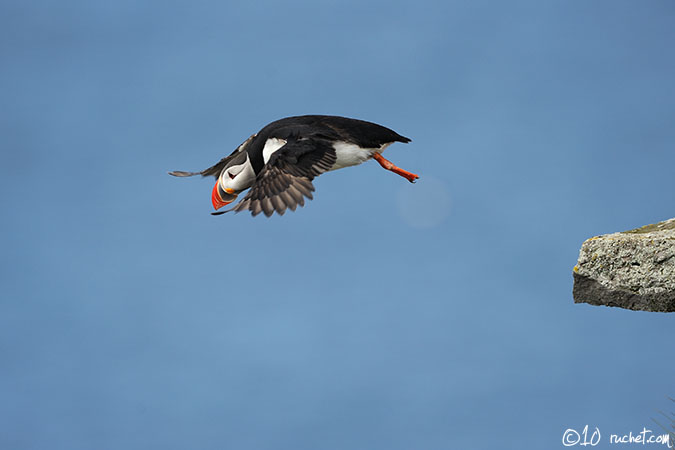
(287, 177)
(218, 167)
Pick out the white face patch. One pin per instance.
(239, 177)
(271, 146)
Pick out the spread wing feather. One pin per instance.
(287, 177)
(218, 167)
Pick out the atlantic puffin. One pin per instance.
(280, 161)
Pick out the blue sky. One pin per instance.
(383, 314)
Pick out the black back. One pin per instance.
(328, 128)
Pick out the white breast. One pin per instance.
(349, 154)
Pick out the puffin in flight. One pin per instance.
(280, 161)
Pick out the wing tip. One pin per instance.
(182, 173)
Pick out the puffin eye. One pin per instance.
(231, 176)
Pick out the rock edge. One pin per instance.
(632, 269)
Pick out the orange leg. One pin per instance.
(390, 166)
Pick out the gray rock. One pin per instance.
(633, 269)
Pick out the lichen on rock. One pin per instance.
(633, 269)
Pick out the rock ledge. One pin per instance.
(633, 269)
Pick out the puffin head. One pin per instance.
(234, 178)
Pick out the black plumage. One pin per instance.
(288, 175)
(327, 128)
(308, 151)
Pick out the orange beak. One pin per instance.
(220, 198)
